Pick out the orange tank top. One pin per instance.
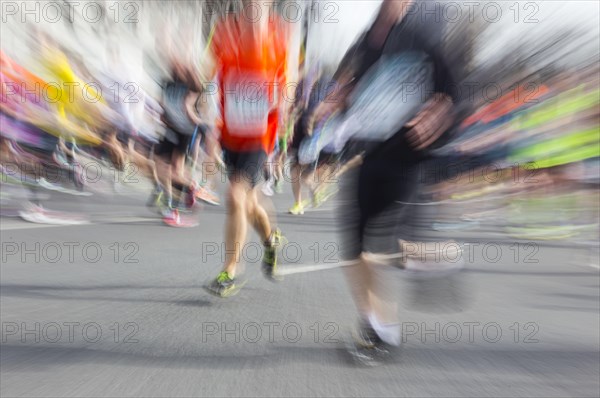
(251, 73)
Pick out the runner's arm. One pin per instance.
(361, 56)
(190, 107)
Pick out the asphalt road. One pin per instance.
(116, 308)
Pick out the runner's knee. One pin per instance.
(236, 197)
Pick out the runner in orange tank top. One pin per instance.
(250, 53)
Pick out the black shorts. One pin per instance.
(143, 145)
(172, 142)
(371, 216)
(245, 166)
(300, 133)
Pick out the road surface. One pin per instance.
(116, 308)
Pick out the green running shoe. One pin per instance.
(269, 261)
(223, 286)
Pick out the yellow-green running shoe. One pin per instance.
(223, 286)
(269, 261)
(297, 209)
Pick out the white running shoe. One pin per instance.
(267, 188)
(38, 215)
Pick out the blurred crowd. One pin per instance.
(523, 158)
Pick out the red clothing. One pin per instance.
(506, 104)
(251, 79)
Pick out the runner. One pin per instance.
(249, 55)
(181, 119)
(303, 170)
(28, 151)
(388, 173)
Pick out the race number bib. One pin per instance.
(247, 104)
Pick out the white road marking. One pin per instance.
(27, 225)
(19, 224)
(301, 269)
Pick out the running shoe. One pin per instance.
(39, 215)
(174, 218)
(367, 348)
(267, 189)
(223, 286)
(58, 188)
(207, 195)
(366, 337)
(171, 217)
(269, 261)
(297, 209)
(278, 186)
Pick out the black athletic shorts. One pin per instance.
(370, 215)
(172, 141)
(245, 166)
(300, 133)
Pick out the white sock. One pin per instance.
(389, 333)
